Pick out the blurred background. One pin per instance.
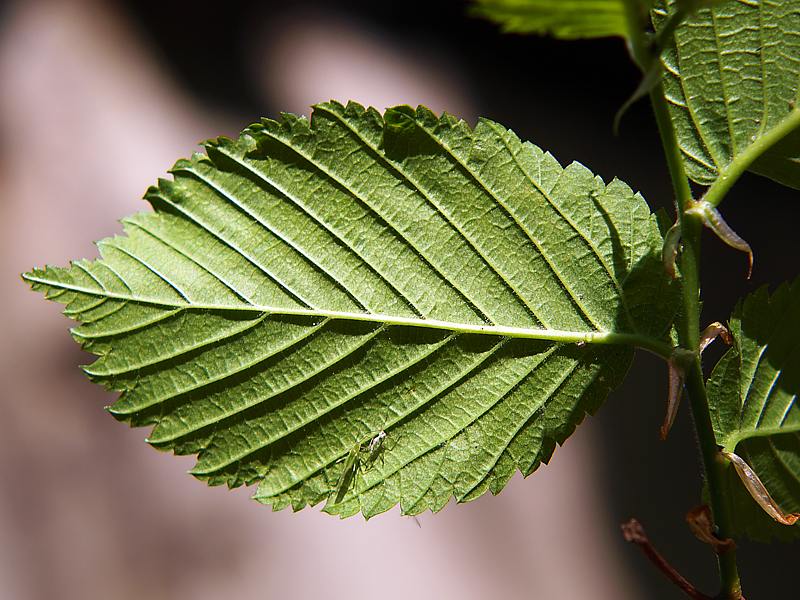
(98, 99)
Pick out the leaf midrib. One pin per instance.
(732, 441)
(555, 335)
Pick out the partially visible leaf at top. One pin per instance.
(732, 79)
(311, 284)
(567, 19)
(752, 395)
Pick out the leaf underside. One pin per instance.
(731, 77)
(306, 286)
(753, 400)
(568, 19)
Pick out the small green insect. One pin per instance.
(353, 462)
(375, 445)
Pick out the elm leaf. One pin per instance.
(303, 290)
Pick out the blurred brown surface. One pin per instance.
(88, 119)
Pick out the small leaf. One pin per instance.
(752, 395)
(310, 284)
(568, 19)
(732, 78)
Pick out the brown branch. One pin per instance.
(633, 532)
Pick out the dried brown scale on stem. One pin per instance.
(701, 525)
(676, 375)
(633, 532)
(712, 332)
(713, 220)
(676, 370)
(669, 252)
(759, 491)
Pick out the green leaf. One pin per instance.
(569, 19)
(752, 395)
(732, 79)
(302, 288)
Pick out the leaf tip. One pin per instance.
(31, 277)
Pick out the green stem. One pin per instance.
(672, 153)
(689, 330)
(689, 336)
(715, 468)
(742, 161)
